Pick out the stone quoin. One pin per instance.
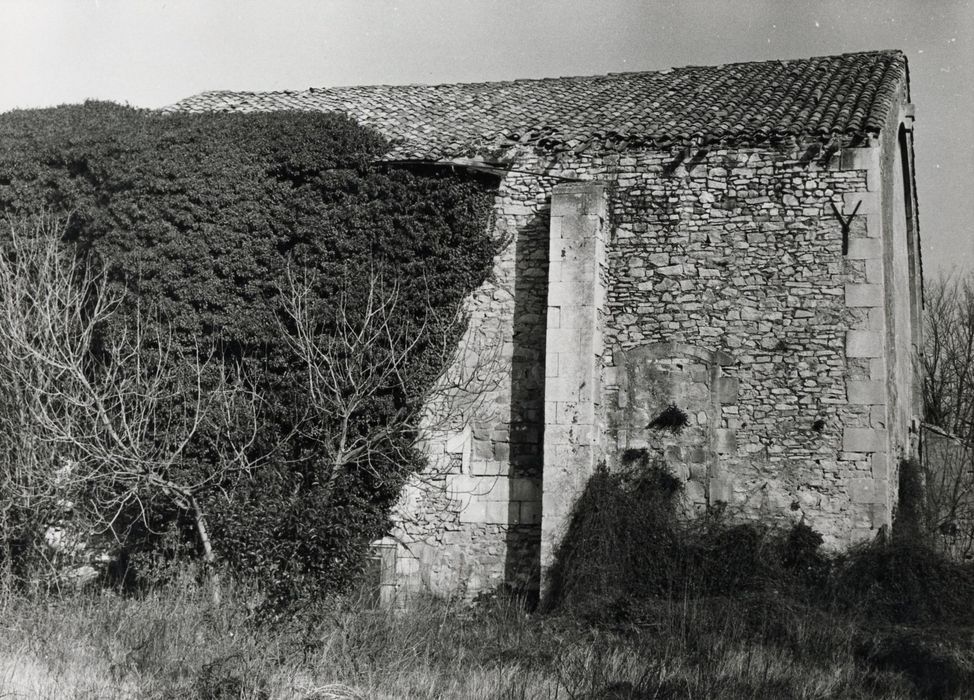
(738, 241)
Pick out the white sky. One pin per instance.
(153, 52)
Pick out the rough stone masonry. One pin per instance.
(739, 242)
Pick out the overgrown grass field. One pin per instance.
(171, 641)
(639, 605)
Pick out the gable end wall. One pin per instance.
(723, 284)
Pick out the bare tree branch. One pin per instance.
(104, 421)
(947, 368)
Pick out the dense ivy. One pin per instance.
(197, 217)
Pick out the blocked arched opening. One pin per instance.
(670, 404)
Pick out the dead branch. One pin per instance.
(122, 410)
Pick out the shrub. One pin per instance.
(911, 521)
(620, 539)
(903, 581)
(671, 418)
(626, 543)
(625, 546)
(197, 218)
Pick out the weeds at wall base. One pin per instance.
(171, 642)
(767, 629)
(626, 555)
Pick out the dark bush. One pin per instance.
(620, 539)
(903, 581)
(672, 418)
(626, 542)
(196, 218)
(911, 510)
(937, 668)
(737, 558)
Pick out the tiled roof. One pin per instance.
(738, 104)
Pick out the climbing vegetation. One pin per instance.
(255, 242)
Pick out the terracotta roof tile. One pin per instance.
(742, 104)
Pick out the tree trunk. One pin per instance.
(209, 558)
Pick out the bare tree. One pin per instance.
(354, 354)
(947, 368)
(106, 422)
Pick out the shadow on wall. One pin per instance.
(628, 541)
(621, 539)
(523, 559)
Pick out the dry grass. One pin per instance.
(171, 642)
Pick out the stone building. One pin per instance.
(739, 242)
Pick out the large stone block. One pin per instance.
(573, 293)
(727, 388)
(552, 364)
(551, 412)
(529, 513)
(863, 440)
(558, 434)
(877, 369)
(462, 486)
(880, 466)
(726, 441)
(493, 488)
(556, 269)
(865, 249)
(554, 317)
(868, 202)
(566, 341)
(880, 513)
(578, 200)
(863, 295)
(877, 416)
(720, 489)
(867, 490)
(499, 512)
(488, 467)
(874, 271)
(554, 227)
(866, 393)
(526, 489)
(863, 344)
(877, 319)
(695, 492)
(474, 512)
(874, 180)
(859, 158)
(566, 387)
(874, 224)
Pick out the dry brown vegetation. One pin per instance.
(173, 643)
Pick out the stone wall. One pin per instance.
(472, 522)
(738, 252)
(720, 281)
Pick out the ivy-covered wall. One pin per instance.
(197, 219)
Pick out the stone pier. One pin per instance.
(576, 295)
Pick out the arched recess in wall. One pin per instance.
(669, 408)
